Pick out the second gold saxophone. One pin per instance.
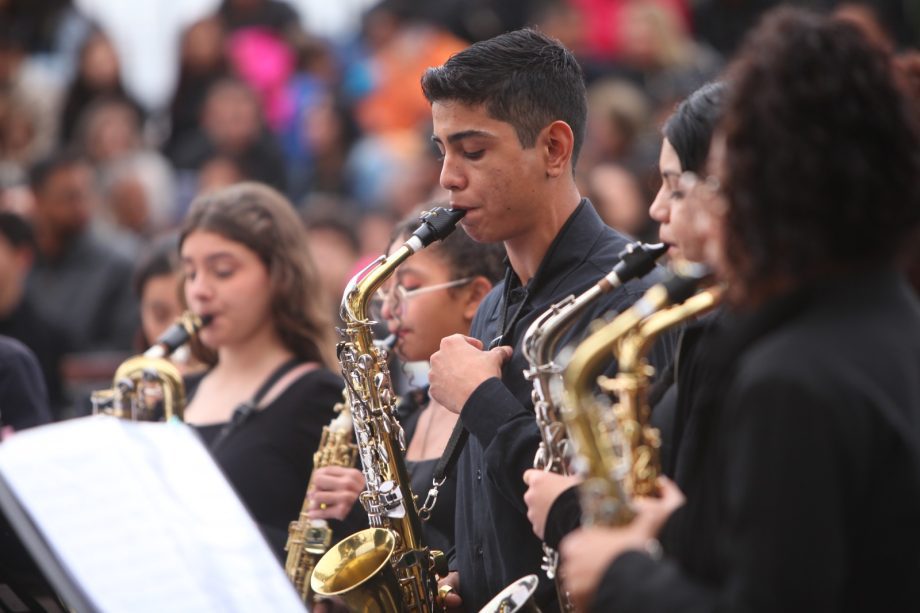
(386, 567)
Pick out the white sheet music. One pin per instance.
(143, 519)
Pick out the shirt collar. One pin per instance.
(572, 245)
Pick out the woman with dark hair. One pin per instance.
(98, 76)
(810, 458)
(433, 295)
(552, 500)
(269, 390)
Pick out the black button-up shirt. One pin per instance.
(495, 543)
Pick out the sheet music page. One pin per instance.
(143, 519)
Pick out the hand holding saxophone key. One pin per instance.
(543, 487)
(588, 552)
(460, 366)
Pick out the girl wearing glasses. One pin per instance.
(432, 295)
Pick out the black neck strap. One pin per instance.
(243, 411)
(451, 453)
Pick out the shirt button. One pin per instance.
(478, 475)
(479, 550)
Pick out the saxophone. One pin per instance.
(386, 567)
(309, 539)
(148, 387)
(617, 449)
(539, 346)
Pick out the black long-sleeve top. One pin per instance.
(495, 544)
(804, 486)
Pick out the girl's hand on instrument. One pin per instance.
(334, 491)
(460, 366)
(542, 490)
(588, 552)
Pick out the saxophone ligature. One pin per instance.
(616, 447)
(386, 567)
(148, 387)
(539, 346)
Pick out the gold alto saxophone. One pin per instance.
(148, 387)
(539, 345)
(386, 567)
(309, 539)
(616, 448)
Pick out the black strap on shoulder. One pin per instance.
(244, 410)
(451, 452)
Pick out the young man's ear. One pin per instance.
(477, 290)
(558, 141)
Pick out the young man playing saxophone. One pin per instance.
(509, 118)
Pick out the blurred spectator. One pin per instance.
(332, 240)
(78, 282)
(17, 136)
(98, 76)
(202, 63)
(605, 24)
(658, 53)
(273, 15)
(31, 101)
(265, 62)
(35, 21)
(23, 399)
(158, 289)
(19, 318)
(137, 182)
(399, 48)
(232, 125)
(327, 133)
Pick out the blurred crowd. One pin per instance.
(96, 169)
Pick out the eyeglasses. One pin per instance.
(398, 297)
(708, 189)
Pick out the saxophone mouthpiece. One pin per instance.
(177, 334)
(638, 259)
(437, 224)
(387, 343)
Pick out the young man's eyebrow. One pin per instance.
(458, 136)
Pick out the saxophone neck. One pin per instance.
(638, 342)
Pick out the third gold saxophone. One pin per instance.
(616, 447)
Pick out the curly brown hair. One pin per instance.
(822, 154)
(263, 220)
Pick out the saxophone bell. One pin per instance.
(516, 598)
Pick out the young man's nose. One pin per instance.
(452, 178)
